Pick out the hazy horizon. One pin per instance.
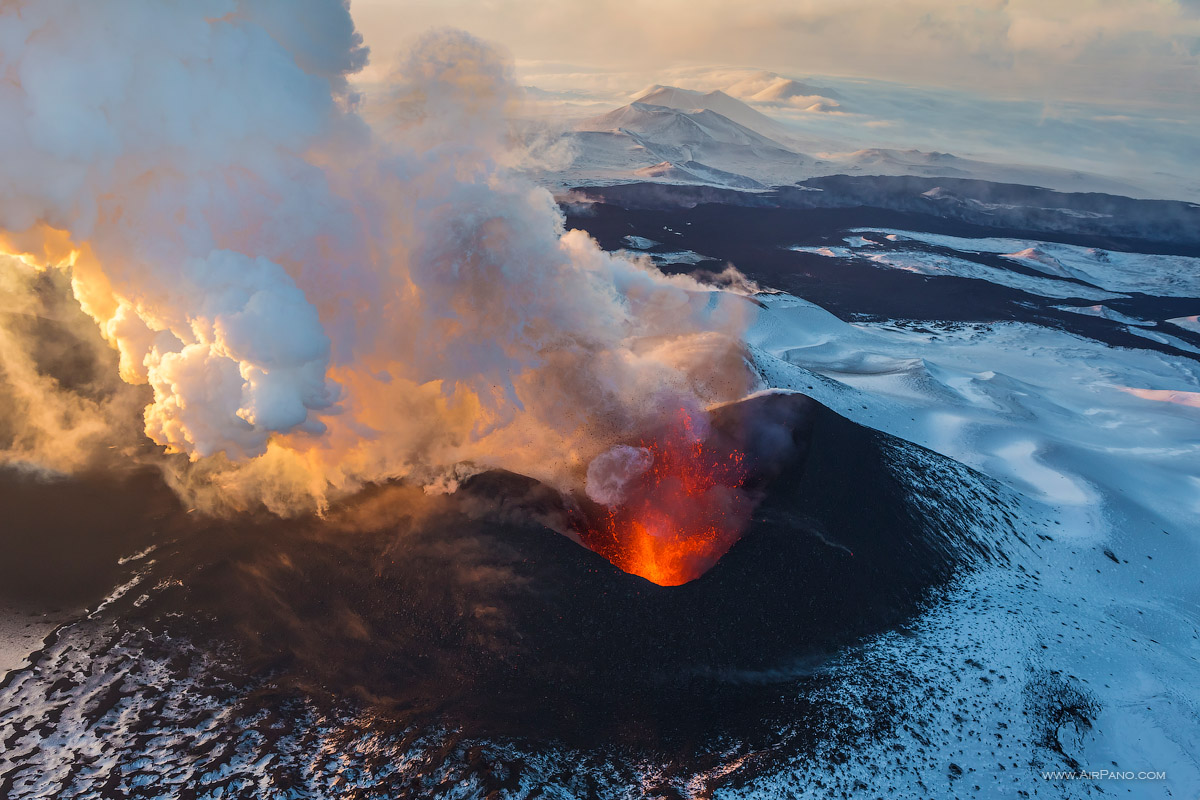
(1069, 51)
(1017, 83)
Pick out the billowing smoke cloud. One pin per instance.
(313, 305)
(63, 406)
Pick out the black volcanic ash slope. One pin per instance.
(1087, 218)
(755, 233)
(376, 633)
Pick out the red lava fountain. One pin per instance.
(682, 514)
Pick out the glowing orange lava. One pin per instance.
(683, 513)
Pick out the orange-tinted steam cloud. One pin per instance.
(313, 307)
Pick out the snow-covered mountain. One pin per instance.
(680, 136)
(669, 125)
(718, 101)
(643, 141)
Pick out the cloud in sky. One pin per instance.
(1120, 51)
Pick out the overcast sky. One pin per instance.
(1119, 51)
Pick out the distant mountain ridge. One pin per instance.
(673, 145)
(680, 136)
(674, 126)
(718, 101)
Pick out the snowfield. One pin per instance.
(936, 264)
(1104, 442)
(1166, 276)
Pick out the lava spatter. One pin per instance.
(682, 514)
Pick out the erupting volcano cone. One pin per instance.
(682, 512)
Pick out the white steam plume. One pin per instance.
(609, 473)
(313, 306)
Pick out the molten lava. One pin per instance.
(682, 514)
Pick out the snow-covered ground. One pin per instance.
(1104, 312)
(1165, 276)
(936, 264)
(1104, 440)
(22, 630)
(1191, 323)
(1063, 418)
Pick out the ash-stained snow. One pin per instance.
(112, 708)
(640, 242)
(1114, 271)
(679, 257)
(1104, 312)
(1164, 338)
(940, 265)
(1191, 323)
